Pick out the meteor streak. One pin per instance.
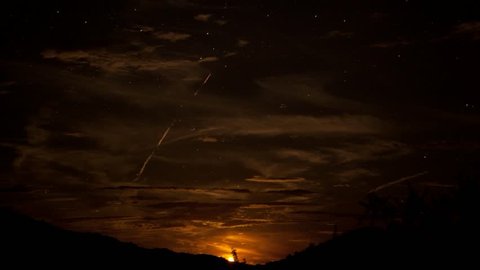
(204, 82)
(145, 163)
(403, 179)
(162, 138)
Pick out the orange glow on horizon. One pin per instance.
(228, 257)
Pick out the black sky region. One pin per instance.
(308, 105)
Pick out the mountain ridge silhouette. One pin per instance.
(23, 237)
(25, 241)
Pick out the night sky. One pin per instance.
(274, 119)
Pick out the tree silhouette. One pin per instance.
(378, 210)
(235, 256)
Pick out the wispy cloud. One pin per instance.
(171, 36)
(171, 188)
(174, 196)
(307, 89)
(202, 17)
(348, 175)
(208, 139)
(260, 179)
(291, 192)
(374, 150)
(298, 125)
(269, 169)
(119, 62)
(141, 29)
(208, 59)
(308, 156)
(243, 42)
(471, 29)
(221, 22)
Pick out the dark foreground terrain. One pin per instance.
(26, 242)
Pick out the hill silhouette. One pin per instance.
(25, 242)
(376, 248)
(428, 228)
